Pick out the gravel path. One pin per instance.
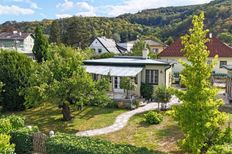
(122, 120)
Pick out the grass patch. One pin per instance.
(162, 137)
(48, 117)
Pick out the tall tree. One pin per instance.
(198, 116)
(55, 33)
(40, 48)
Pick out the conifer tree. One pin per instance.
(40, 48)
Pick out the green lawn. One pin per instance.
(162, 137)
(48, 117)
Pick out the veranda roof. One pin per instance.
(113, 70)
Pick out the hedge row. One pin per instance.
(71, 144)
(23, 140)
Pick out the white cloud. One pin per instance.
(85, 9)
(63, 15)
(15, 10)
(32, 4)
(133, 6)
(66, 5)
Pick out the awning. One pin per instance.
(113, 70)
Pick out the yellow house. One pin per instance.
(141, 69)
(156, 47)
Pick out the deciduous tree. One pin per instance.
(198, 116)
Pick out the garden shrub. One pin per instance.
(71, 144)
(23, 139)
(147, 91)
(220, 149)
(153, 117)
(15, 69)
(5, 146)
(162, 94)
(10, 123)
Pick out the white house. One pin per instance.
(104, 45)
(156, 47)
(229, 82)
(215, 46)
(127, 45)
(141, 69)
(21, 42)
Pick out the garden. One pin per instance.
(45, 102)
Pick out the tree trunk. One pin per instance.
(66, 112)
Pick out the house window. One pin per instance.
(222, 63)
(152, 77)
(99, 50)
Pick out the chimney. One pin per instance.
(20, 33)
(145, 52)
(210, 35)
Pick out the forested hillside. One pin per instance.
(174, 21)
(161, 23)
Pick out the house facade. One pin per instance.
(103, 45)
(215, 46)
(229, 82)
(156, 47)
(21, 42)
(141, 69)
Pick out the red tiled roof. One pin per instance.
(215, 46)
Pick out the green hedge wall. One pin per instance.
(23, 140)
(71, 144)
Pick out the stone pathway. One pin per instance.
(123, 118)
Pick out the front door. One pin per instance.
(116, 85)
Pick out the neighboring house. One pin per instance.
(215, 46)
(141, 69)
(103, 45)
(156, 47)
(21, 42)
(229, 82)
(127, 45)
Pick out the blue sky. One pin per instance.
(30, 10)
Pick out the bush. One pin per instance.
(153, 117)
(220, 149)
(5, 146)
(71, 144)
(10, 123)
(162, 94)
(147, 91)
(15, 69)
(23, 140)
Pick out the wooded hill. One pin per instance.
(159, 24)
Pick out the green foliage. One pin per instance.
(23, 140)
(15, 69)
(10, 123)
(5, 146)
(147, 90)
(55, 33)
(104, 55)
(153, 117)
(1, 90)
(63, 80)
(222, 149)
(138, 47)
(162, 94)
(198, 116)
(40, 48)
(127, 84)
(71, 144)
(226, 37)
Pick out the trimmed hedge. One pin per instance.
(71, 144)
(147, 91)
(23, 140)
